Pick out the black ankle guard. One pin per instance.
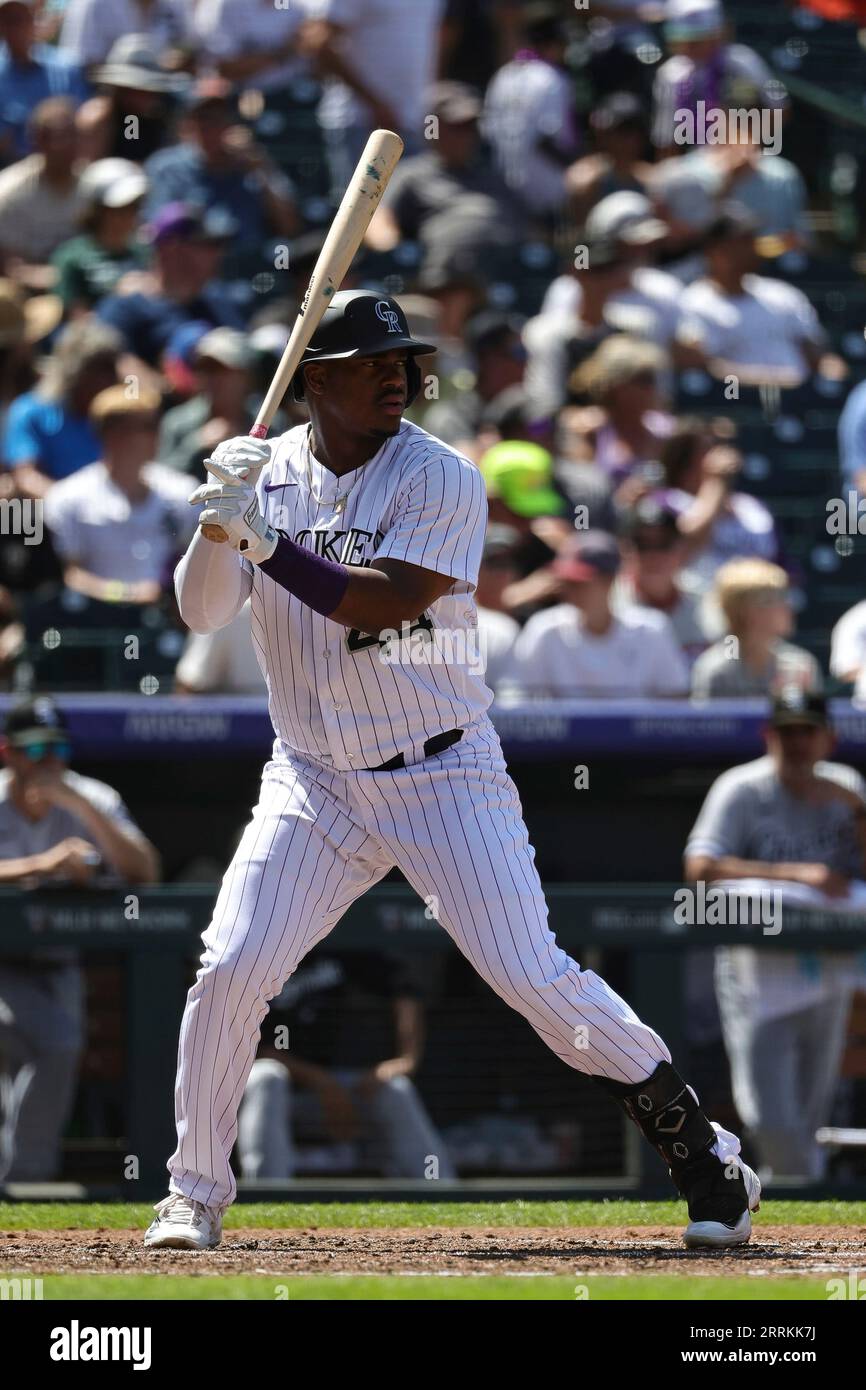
(666, 1113)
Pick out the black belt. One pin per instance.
(437, 744)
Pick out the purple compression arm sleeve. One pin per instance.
(317, 582)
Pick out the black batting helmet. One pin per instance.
(362, 323)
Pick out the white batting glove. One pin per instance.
(243, 457)
(232, 504)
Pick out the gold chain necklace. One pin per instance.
(339, 502)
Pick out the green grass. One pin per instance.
(209, 1285)
(59, 1216)
(385, 1287)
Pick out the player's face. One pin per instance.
(365, 395)
(796, 748)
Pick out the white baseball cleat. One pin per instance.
(182, 1224)
(714, 1226)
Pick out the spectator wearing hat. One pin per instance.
(90, 265)
(93, 30)
(48, 433)
(651, 576)
(221, 409)
(377, 59)
(218, 167)
(449, 197)
(119, 524)
(789, 824)
(646, 305)
(618, 163)
(188, 248)
(518, 475)
(754, 657)
(129, 116)
(251, 43)
(561, 336)
(30, 73)
(581, 649)
(706, 68)
(497, 629)
(522, 495)
(626, 425)
(529, 115)
(61, 828)
(757, 329)
(40, 203)
(498, 362)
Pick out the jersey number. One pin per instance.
(358, 641)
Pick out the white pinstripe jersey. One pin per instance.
(331, 693)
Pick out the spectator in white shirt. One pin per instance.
(119, 524)
(750, 326)
(92, 27)
(222, 662)
(559, 338)
(497, 630)
(848, 649)
(529, 116)
(647, 304)
(580, 649)
(252, 43)
(380, 59)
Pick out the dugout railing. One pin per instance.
(158, 930)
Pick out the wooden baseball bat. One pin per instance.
(362, 197)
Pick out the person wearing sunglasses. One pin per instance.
(55, 827)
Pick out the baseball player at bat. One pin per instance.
(346, 534)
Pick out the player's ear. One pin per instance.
(314, 379)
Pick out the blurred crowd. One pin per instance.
(614, 305)
(169, 168)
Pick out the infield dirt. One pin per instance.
(773, 1250)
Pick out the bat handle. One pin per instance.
(216, 533)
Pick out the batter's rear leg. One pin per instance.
(470, 859)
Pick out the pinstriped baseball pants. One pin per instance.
(317, 840)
